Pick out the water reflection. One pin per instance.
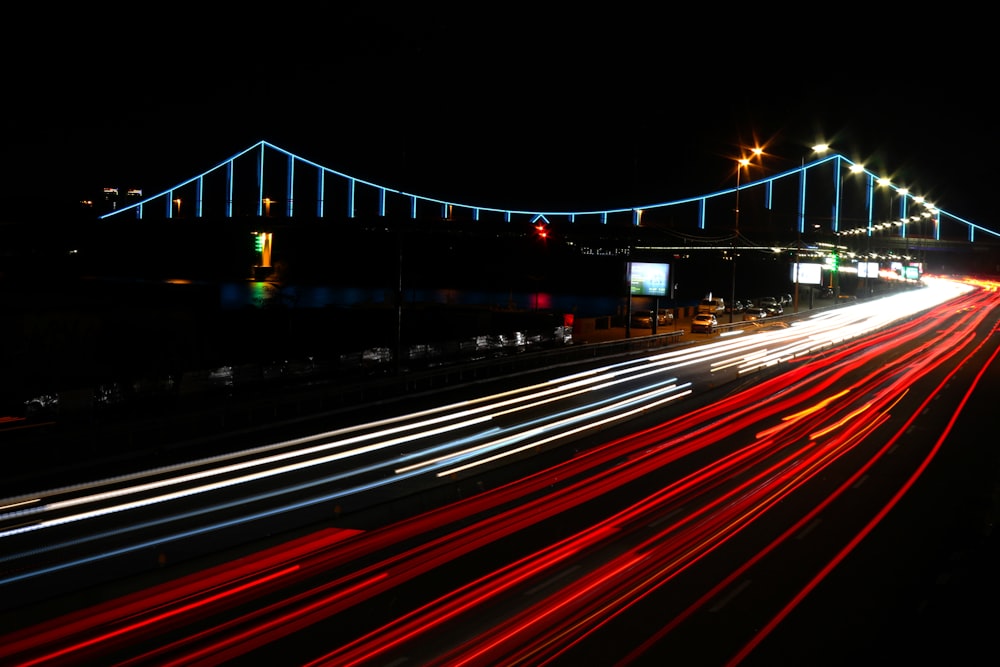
(262, 294)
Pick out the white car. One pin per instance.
(704, 323)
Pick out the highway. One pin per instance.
(683, 503)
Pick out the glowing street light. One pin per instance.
(882, 182)
(819, 149)
(741, 164)
(835, 268)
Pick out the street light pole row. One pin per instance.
(821, 148)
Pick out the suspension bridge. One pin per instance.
(265, 180)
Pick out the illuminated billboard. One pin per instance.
(807, 274)
(648, 278)
(910, 271)
(867, 269)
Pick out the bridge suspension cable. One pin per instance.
(232, 188)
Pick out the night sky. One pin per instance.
(549, 109)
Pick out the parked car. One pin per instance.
(714, 306)
(752, 314)
(704, 323)
(771, 305)
(735, 307)
(643, 319)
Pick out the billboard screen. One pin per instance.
(867, 269)
(910, 271)
(807, 274)
(648, 278)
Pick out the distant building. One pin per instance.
(112, 199)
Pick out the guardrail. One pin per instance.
(256, 397)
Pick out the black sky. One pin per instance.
(555, 109)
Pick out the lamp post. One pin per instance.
(904, 220)
(834, 257)
(820, 149)
(835, 274)
(886, 183)
(740, 164)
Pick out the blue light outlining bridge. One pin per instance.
(263, 176)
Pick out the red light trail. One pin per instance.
(723, 488)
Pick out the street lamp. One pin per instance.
(904, 220)
(834, 258)
(885, 183)
(819, 149)
(740, 164)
